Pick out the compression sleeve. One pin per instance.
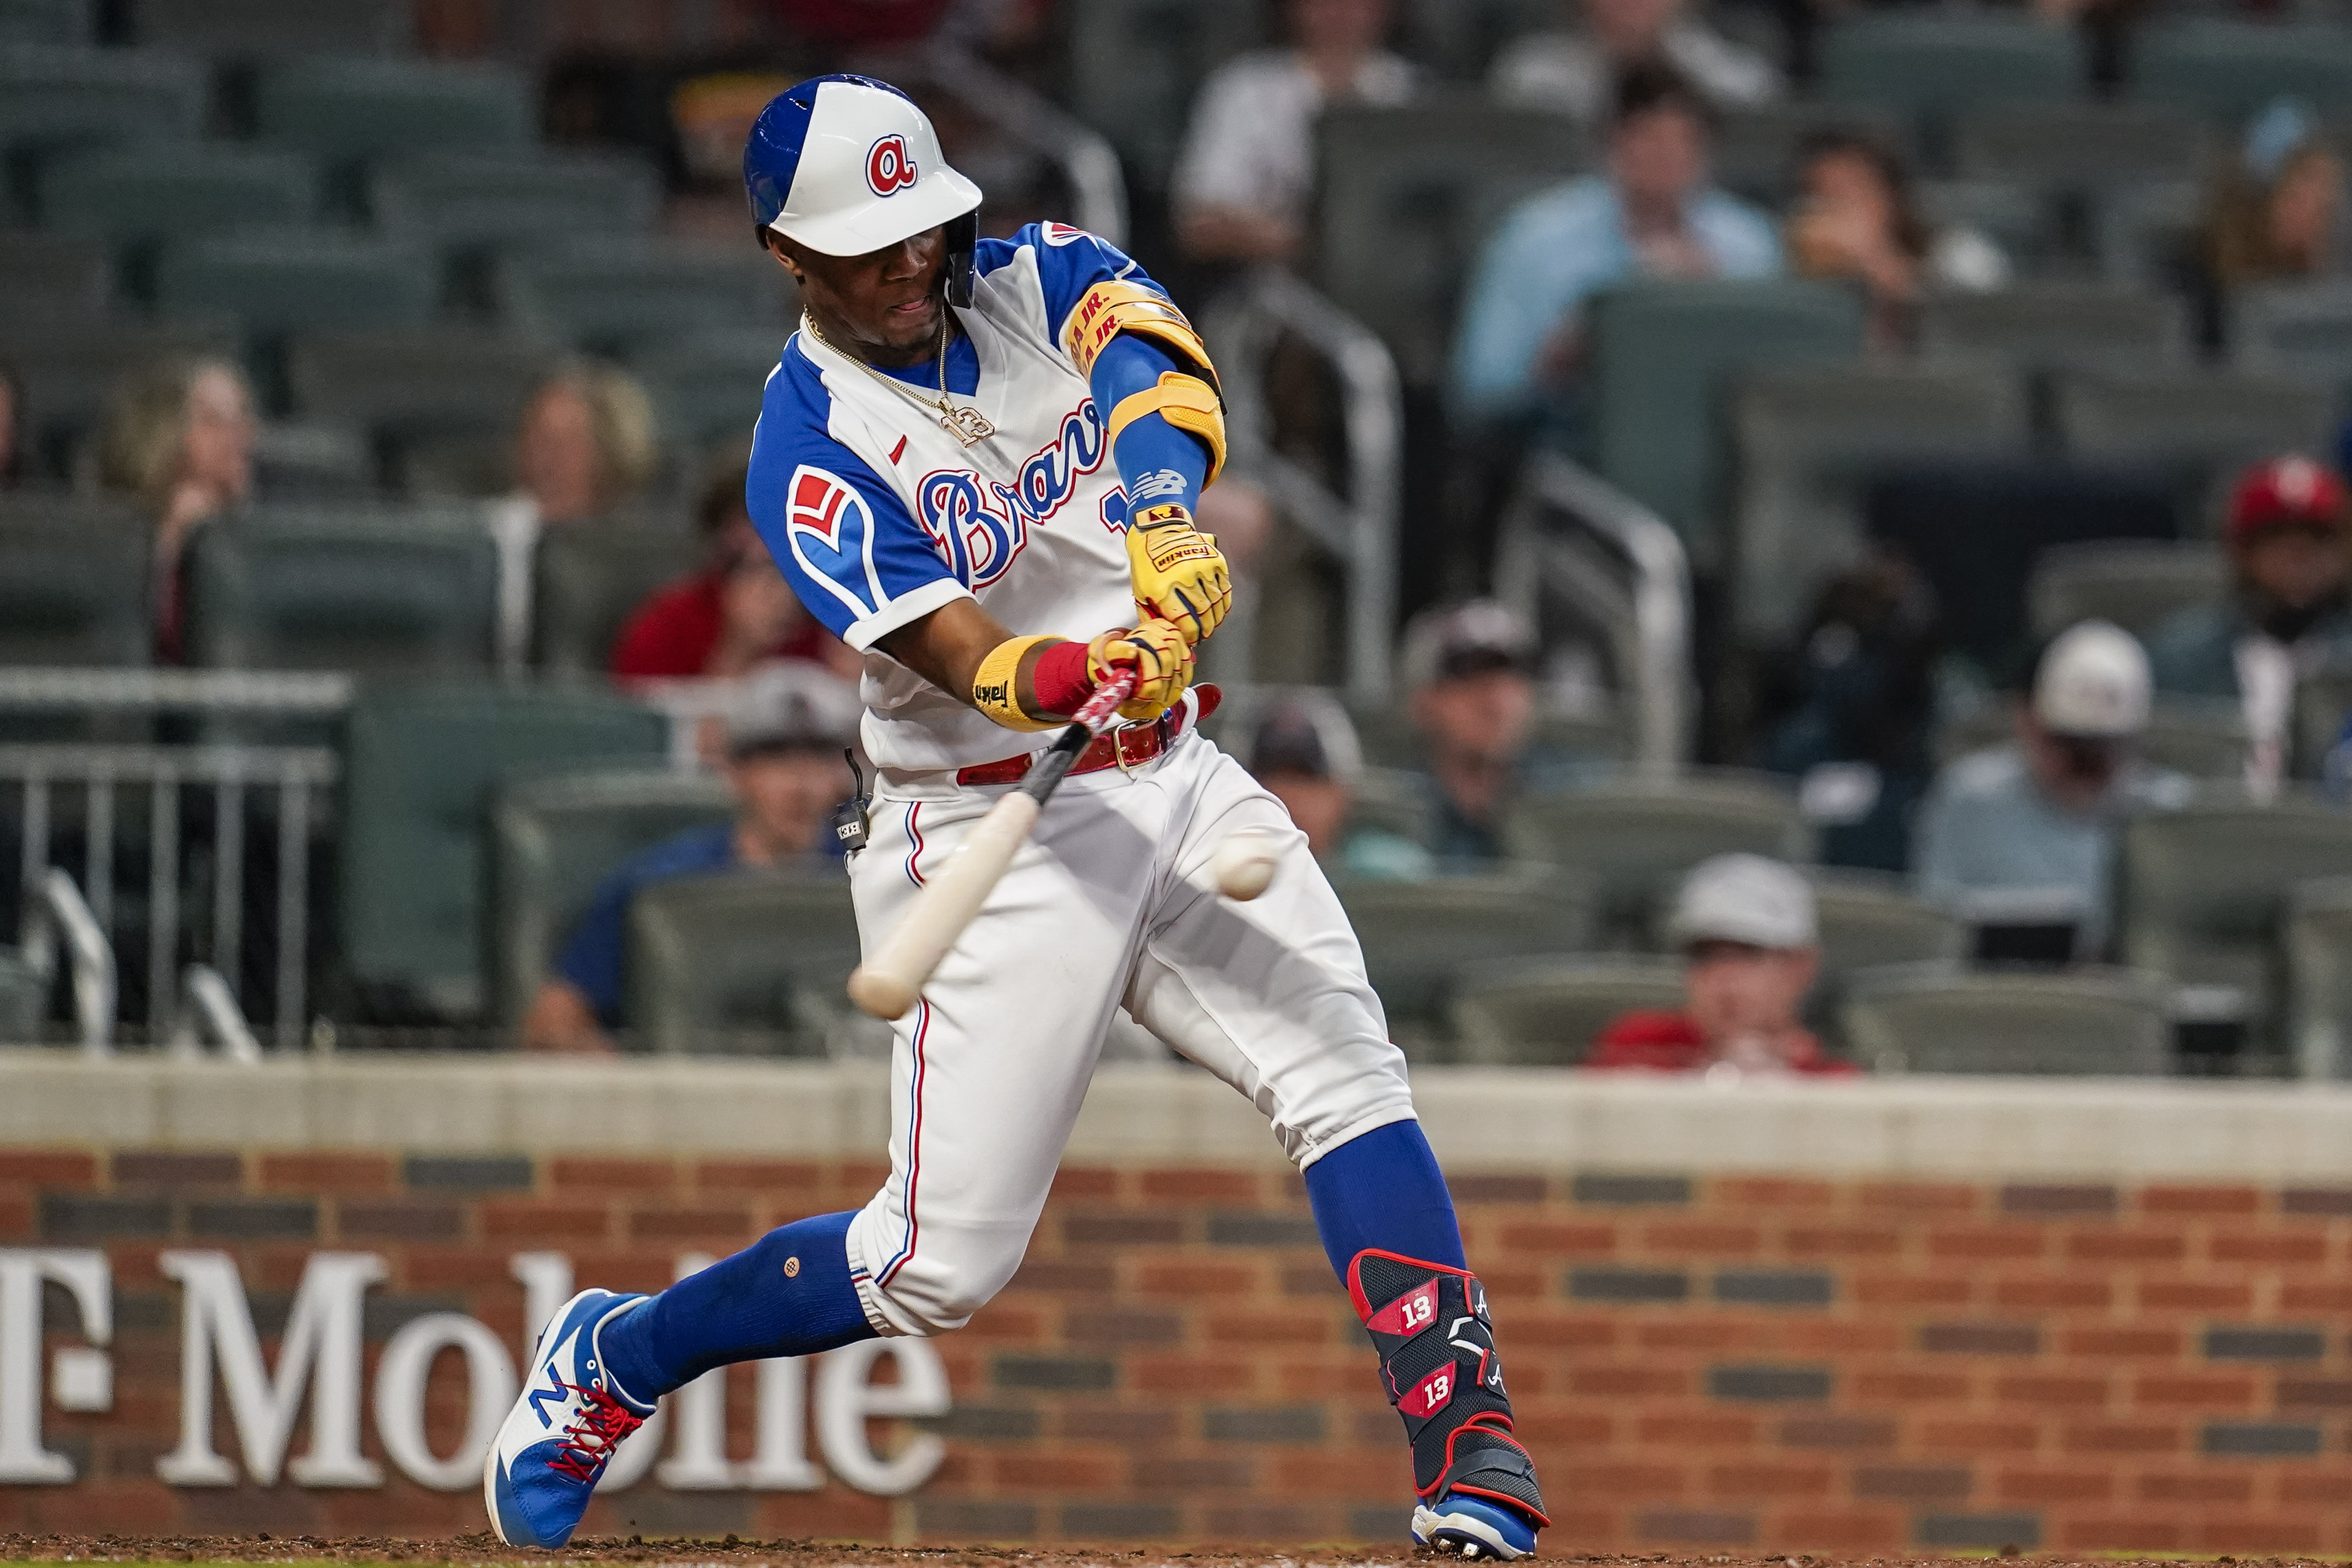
(1157, 463)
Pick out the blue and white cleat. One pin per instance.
(554, 1444)
(1463, 1526)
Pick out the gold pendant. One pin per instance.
(966, 425)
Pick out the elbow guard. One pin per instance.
(1187, 398)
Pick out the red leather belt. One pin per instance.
(1130, 746)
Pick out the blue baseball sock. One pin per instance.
(1383, 1190)
(788, 1293)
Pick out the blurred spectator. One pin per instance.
(2274, 210)
(737, 611)
(585, 442)
(1856, 218)
(1303, 751)
(1575, 68)
(784, 763)
(2289, 543)
(2036, 819)
(12, 428)
(1861, 686)
(1242, 183)
(1469, 675)
(178, 437)
(1751, 950)
(1652, 215)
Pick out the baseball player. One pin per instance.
(978, 462)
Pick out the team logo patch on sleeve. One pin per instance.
(831, 536)
(1052, 233)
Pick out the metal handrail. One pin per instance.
(207, 1007)
(213, 691)
(1568, 532)
(1358, 529)
(54, 907)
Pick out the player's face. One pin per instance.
(887, 301)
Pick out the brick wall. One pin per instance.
(1776, 1363)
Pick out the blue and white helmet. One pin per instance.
(846, 164)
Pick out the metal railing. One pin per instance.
(1574, 548)
(1088, 163)
(1358, 528)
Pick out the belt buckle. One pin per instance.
(1119, 745)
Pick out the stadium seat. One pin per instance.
(73, 582)
(2059, 326)
(53, 98)
(403, 383)
(1390, 740)
(2079, 147)
(1408, 196)
(245, 29)
(23, 998)
(2319, 943)
(588, 579)
(1806, 443)
(149, 194)
(2028, 226)
(708, 388)
(1543, 1012)
(2202, 426)
(2323, 705)
(609, 295)
(2227, 69)
(46, 277)
(1755, 152)
(2138, 584)
(1869, 920)
(553, 840)
(2200, 890)
(1138, 65)
(741, 963)
(357, 109)
(2295, 329)
(1664, 359)
(2146, 236)
(458, 199)
(1417, 936)
(1931, 67)
(46, 21)
(421, 764)
(71, 367)
(1937, 1018)
(2202, 738)
(293, 281)
(380, 592)
(1637, 839)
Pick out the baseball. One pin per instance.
(1244, 863)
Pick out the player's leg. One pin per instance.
(987, 1075)
(1272, 997)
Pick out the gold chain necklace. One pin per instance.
(967, 425)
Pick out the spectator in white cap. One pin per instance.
(1752, 949)
(2037, 818)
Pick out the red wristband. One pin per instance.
(1060, 679)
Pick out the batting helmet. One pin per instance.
(847, 164)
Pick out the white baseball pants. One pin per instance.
(1111, 900)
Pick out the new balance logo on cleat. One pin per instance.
(562, 1430)
(1477, 1487)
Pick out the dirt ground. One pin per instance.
(485, 1549)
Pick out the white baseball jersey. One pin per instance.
(879, 515)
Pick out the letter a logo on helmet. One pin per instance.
(845, 165)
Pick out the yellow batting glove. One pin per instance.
(1160, 657)
(1178, 576)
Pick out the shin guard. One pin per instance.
(1436, 1346)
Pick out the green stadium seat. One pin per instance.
(390, 591)
(66, 22)
(126, 194)
(293, 281)
(459, 199)
(403, 383)
(53, 98)
(2227, 71)
(587, 580)
(2138, 584)
(1637, 839)
(2202, 426)
(46, 277)
(422, 763)
(708, 389)
(357, 109)
(1935, 1018)
(73, 582)
(1931, 67)
(2293, 329)
(2072, 148)
(1869, 920)
(553, 840)
(1408, 197)
(1664, 359)
(1417, 937)
(248, 29)
(744, 963)
(2200, 890)
(2060, 326)
(1807, 443)
(1138, 65)
(1543, 1012)
(2319, 942)
(71, 367)
(609, 295)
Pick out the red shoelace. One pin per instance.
(588, 1441)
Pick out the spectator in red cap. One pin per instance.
(2289, 611)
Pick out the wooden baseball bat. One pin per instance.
(886, 984)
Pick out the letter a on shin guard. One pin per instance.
(1436, 1346)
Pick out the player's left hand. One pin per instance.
(1178, 576)
(1162, 658)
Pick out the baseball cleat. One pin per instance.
(1472, 1527)
(554, 1444)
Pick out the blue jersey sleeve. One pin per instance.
(853, 553)
(1069, 262)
